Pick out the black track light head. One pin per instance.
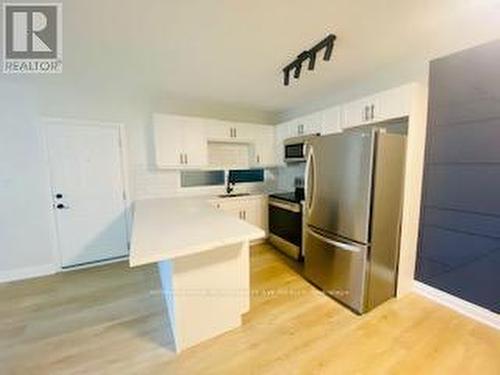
(286, 72)
(296, 72)
(329, 47)
(296, 65)
(312, 61)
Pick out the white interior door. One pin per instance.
(88, 192)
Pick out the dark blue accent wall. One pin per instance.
(459, 243)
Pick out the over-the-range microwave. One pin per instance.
(295, 148)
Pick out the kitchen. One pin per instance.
(206, 236)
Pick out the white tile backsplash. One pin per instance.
(286, 176)
(155, 183)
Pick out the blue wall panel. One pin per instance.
(459, 242)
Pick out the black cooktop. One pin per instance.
(295, 196)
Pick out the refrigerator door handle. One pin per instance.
(340, 245)
(309, 182)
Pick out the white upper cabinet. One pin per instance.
(386, 105)
(180, 142)
(195, 145)
(361, 112)
(297, 127)
(226, 131)
(264, 146)
(245, 132)
(331, 120)
(281, 132)
(309, 124)
(218, 130)
(396, 102)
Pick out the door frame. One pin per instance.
(45, 122)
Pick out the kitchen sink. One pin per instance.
(233, 195)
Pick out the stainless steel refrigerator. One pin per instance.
(354, 187)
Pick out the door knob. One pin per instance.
(61, 206)
(59, 196)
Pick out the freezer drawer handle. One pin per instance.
(341, 245)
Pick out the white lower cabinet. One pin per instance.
(253, 209)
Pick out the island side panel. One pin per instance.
(165, 269)
(210, 293)
(245, 277)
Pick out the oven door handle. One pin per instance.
(285, 206)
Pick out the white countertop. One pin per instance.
(167, 228)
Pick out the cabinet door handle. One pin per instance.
(372, 111)
(365, 113)
(235, 133)
(244, 215)
(181, 160)
(258, 159)
(186, 158)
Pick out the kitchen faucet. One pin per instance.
(230, 185)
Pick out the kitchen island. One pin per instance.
(203, 262)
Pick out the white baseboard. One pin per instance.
(27, 273)
(466, 308)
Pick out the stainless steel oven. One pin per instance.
(285, 225)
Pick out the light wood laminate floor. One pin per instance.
(111, 319)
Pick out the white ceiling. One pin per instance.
(232, 51)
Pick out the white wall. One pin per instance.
(25, 243)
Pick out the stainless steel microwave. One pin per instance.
(295, 148)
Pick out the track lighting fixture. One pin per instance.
(296, 65)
